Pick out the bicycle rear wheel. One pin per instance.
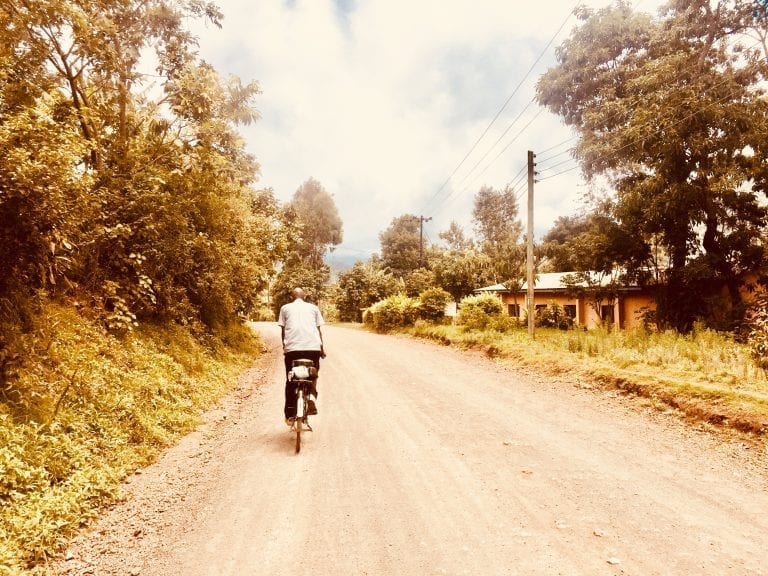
(299, 421)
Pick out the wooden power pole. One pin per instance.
(421, 238)
(529, 253)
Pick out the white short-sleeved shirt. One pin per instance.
(301, 321)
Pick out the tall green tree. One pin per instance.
(401, 245)
(555, 243)
(321, 226)
(314, 226)
(498, 228)
(460, 272)
(594, 242)
(455, 237)
(595, 249)
(147, 205)
(671, 111)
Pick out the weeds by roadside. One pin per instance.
(85, 409)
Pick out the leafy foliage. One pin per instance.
(97, 407)
(418, 280)
(361, 286)
(672, 111)
(495, 214)
(477, 312)
(553, 316)
(432, 303)
(140, 208)
(459, 273)
(455, 238)
(129, 208)
(401, 245)
(321, 226)
(297, 272)
(312, 225)
(393, 312)
(757, 338)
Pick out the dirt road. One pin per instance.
(429, 461)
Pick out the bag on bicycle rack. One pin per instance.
(303, 369)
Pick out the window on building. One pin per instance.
(513, 310)
(570, 311)
(541, 307)
(606, 313)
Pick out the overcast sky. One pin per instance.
(381, 100)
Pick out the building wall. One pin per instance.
(634, 306)
(627, 310)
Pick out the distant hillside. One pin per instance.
(342, 262)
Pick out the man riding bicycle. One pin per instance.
(300, 323)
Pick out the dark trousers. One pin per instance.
(290, 387)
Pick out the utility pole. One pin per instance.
(529, 253)
(421, 238)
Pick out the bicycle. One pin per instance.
(303, 374)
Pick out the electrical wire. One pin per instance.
(540, 161)
(503, 107)
(521, 175)
(571, 169)
(484, 156)
(445, 201)
(650, 124)
(566, 161)
(558, 145)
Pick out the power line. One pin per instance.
(484, 156)
(652, 123)
(517, 178)
(553, 156)
(571, 169)
(558, 146)
(547, 169)
(504, 106)
(513, 140)
(444, 203)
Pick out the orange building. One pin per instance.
(627, 310)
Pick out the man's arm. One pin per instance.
(319, 321)
(282, 336)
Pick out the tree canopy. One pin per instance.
(312, 226)
(401, 247)
(321, 226)
(498, 228)
(673, 112)
(361, 286)
(139, 202)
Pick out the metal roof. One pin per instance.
(545, 281)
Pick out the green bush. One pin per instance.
(553, 316)
(393, 312)
(432, 303)
(263, 313)
(488, 303)
(473, 318)
(475, 312)
(94, 407)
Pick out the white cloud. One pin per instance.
(380, 101)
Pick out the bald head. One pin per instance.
(297, 293)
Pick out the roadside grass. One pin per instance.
(706, 375)
(85, 409)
